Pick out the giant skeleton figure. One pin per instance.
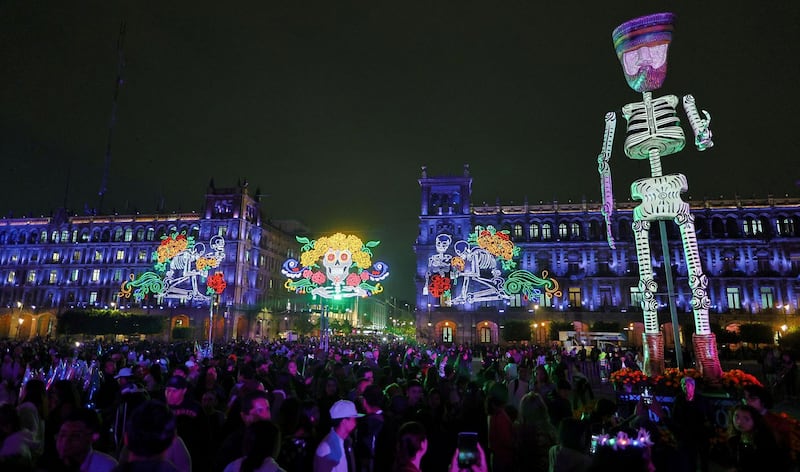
(654, 131)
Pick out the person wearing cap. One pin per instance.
(192, 427)
(335, 452)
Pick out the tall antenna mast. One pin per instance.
(117, 85)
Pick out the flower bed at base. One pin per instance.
(719, 395)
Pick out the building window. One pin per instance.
(74, 275)
(447, 334)
(140, 234)
(151, 234)
(120, 255)
(129, 234)
(76, 256)
(517, 231)
(486, 334)
(65, 235)
(53, 278)
(546, 232)
(222, 231)
(562, 231)
(575, 230)
(118, 234)
(142, 256)
(533, 231)
(56, 256)
(12, 276)
(93, 298)
(15, 257)
(54, 236)
(31, 276)
(767, 298)
(575, 297)
(98, 256)
(751, 227)
(118, 275)
(34, 256)
(95, 275)
(636, 296)
(734, 301)
(43, 237)
(785, 227)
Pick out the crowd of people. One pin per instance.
(362, 405)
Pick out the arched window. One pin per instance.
(575, 230)
(517, 231)
(546, 231)
(118, 234)
(533, 231)
(128, 234)
(562, 231)
(151, 234)
(140, 234)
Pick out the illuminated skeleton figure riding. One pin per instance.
(654, 131)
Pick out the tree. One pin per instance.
(756, 333)
(517, 330)
(303, 324)
(606, 326)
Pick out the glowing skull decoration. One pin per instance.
(348, 268)
(337, 264)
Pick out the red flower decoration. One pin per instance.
(217, 282)
(439, 285)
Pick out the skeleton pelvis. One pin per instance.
(660, 197)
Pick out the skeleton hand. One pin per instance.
(702, 133)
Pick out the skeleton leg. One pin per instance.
(653, 340)
(705, 344)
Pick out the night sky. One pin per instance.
(331, 107)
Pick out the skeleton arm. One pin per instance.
(702, 133)
(605, 174)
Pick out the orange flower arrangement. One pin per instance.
(628, 376)
(671, 378)
(736, 378)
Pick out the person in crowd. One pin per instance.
(62, 399)
(192, 427)
(691, 427)
(149, 433)
(32, 410)
(335, 452)
(501, 430)
(14, 440)
(750, 445)
(297, 420)
(374, 433)
(534, 434)
(260, 445)
(78, 431)
(571, 452)
(785, 430)
(254, 406)
(412, 444)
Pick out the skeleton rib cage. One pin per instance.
(661, 131)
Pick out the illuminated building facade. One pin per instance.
(52, 264)
(750, 248)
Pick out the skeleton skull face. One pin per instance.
(442, 243)
(337, 264)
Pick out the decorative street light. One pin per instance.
(19, 328)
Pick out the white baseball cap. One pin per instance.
(344, 409)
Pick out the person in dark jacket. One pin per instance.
(150, 431)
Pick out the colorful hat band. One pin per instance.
(650, 29)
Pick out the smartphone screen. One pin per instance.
(467, 449)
